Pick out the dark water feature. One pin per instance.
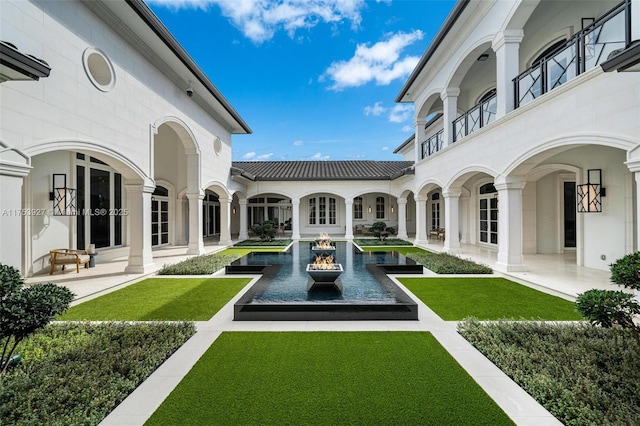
(366, 291)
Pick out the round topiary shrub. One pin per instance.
(626, 271)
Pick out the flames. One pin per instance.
(324, 241)
(323, 263)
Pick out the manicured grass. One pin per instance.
(398, 249)
(257, 243)
(454, 299)
(372, 242)
(162, 299)
(328, 378)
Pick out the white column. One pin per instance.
(510, 258)
(506, 45)
(139, 221)
(348, 208)
(14, 167)
(421, 220)
(225, 221)
(196, 244)
(452, 220)
(402, 218)
(295, 203)
(449, 98)
(419, 124)
(243, 220)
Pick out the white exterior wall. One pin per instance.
(66, 113)
(595, 118)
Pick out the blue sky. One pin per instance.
(314, 79)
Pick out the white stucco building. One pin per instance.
(515, 102)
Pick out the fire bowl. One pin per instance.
(324, 275)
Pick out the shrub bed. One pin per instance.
(76, 373)
(205, 264)
(580, 373)
(443, 263)
(373, 242)
(259, 243)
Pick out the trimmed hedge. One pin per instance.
(259, 243)
(77, 373)
(580, 373)
(372, 242)
(205, 264)
(444, 263)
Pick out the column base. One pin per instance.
(421, 242)
(140, 269)
(195, 251)
(510, 267)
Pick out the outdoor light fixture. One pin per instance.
(369, 209)
(483, 57)
(64, 199)
(392, 209)
(589, 194)
(233, 210)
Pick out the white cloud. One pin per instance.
(259, 20)
(376, 109)
(400, 113)
(318, 156)
(381, 62)
(385, 148)
(255, 157)
(298, 143)
(408, 129)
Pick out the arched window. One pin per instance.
(357, 208)
(380, 207)
(488, 207)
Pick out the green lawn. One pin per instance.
(328, 378)
(399, 249)
(454, 299)
(162, 299)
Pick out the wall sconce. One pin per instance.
(233, 210)
(369, 209)
(64, 199)
(589, 194)
(497, 198)
(393, 209)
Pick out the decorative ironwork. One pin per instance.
(584, 51)
(476, 118)
(590, 193)
(64, 199)
(433, 144)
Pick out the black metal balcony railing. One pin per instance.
(433, 144)
(582, 52)
(476, 118)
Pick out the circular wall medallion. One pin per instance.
(217, 145)
(99, 69)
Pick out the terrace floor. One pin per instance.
(555, 274)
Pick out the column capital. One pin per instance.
(295, 201)
(348, 201)
(633, 165)
(195, 195)
(450, 92)
(509, 182)
(401, 200)
(419, 121)
(508, 36)
(451, 192)
(242, 202)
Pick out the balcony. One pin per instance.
(587, 49)
(476, 118)
(433, 144)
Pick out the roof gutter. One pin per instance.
(147, 15)
(437, 40)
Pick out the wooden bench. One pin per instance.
(68, 257)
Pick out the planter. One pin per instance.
(324, 275)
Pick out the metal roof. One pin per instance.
(321, 170)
